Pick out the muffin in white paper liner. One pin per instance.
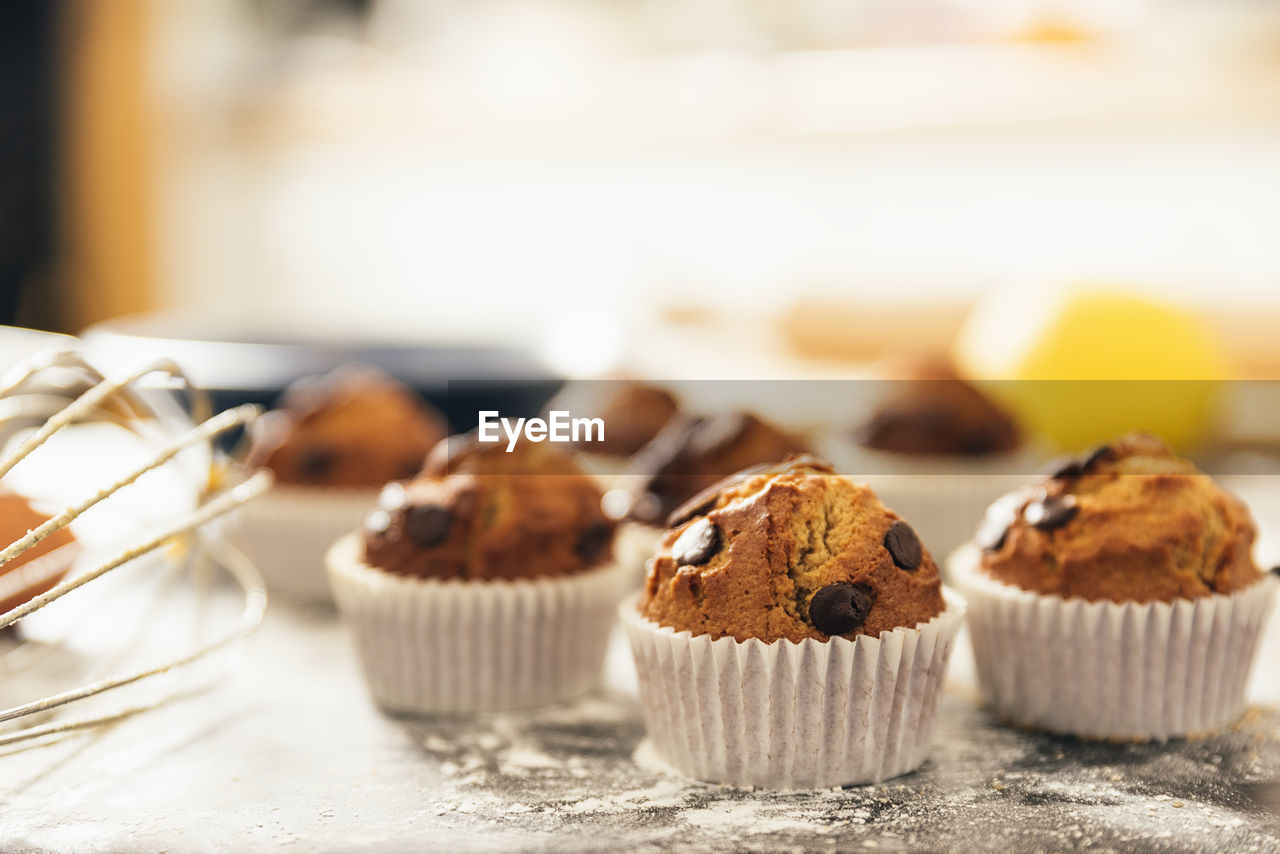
(451, 645)
(288, 530)
(1107, 670)
(787, 715)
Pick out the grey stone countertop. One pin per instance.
(287, 753)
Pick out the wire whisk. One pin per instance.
(56, 389)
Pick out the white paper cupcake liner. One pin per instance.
(788, 715)
(1106, 670)
(288, 530)
(430, 645)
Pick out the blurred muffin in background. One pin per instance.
(695, 452)
(332, 443)
(353, 427)
(930, 410)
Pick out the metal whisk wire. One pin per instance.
(94, 403)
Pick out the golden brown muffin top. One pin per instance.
(353, 427)
(930, 410)
(693, 453)
(1128, 522)
(633, 412)
(790, 552)
(487, 514)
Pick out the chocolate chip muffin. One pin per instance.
(793, 633)
(1116, 599)
(484, 583)
(931, 411)
(354, 427)
(790, 552)
(477, 512)
(633, 413)
(1127, 522)
(692, 453)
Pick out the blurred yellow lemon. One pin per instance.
(1084, 364)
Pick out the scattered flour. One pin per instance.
(580, 777)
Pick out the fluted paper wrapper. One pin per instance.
(1107, 670)
(431, 645)
(788, 715)
(288, 530)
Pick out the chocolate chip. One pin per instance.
(1097, 455)
(1066, 468)
(839, 608)
(593, 541)
(697, 543)
(996, 522)
(427, 524)
(1051, 512)
(315, 463)
(1275, 570)
(696, 506)
(1073, 467)
(903, 545)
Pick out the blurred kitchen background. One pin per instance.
(681, 187)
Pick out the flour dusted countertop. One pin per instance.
(288, 754)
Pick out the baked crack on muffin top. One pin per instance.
(477, 512)
(789, 552)
(1129, 521)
